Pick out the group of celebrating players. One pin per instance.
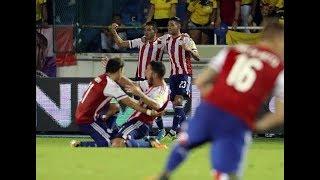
(233, 86)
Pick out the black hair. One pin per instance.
(176, 19)
(158, 68)
(153, 24)
(115, 15)
(114, 64)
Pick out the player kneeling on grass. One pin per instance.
(153, 94)
(96, 99)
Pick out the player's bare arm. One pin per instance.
(194, 52)
(124, 81)
(134, 105)
(204, 81)
(117, 38)
(145, 99)
(113, 109)
(271, 119)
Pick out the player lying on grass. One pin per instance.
(153, 94)
(96, 100)
(233, 87)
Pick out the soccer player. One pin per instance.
(233, 87)
(96, 99)
(153, 94)
(180, 49)
(150, 49)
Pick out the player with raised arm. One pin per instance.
(96, 99)
(150, 49)
(233, 87)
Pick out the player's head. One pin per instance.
(155, 71)
(118, 142)
(174, 25)
(273, 34)
(114, 68)
(116, 18)
(150, 30)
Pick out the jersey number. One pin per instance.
(243, 74)
(87, 92)
(183, 84)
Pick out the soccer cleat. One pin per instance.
(74, 143)
(161, 134)
(173, 134)
(156, 144)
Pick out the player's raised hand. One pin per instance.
(114, 26)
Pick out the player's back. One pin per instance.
(92, 100)
(247, 75)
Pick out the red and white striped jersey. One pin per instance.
(160, 94)
(148, 51)
(98, 95)
(179, 58)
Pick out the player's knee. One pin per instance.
(178, 100)
(118, 142)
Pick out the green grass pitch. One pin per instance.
(56, 160)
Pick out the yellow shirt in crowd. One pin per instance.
(38, 8)
(277, 3)
(201, 14)
(246, 1)
(162, 8)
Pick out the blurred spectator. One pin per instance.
(160, 11)
(266, 8)
(44, 66)
(133, 14)
(108, 45)
(270, 7)
(41, 12)
(49, 66)
(227, 15)
(202, 14)
(245, 13)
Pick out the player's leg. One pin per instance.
(161, 131)
(146, 142)
(131, 130)
(97, 133)
(182, 89)
(228, 155)
(194, 133)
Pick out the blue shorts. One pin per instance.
(100, 131)
(229, 136)
(180, 84)
(133, 130)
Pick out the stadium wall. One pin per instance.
(88, 64)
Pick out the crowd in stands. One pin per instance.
(203, 19)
